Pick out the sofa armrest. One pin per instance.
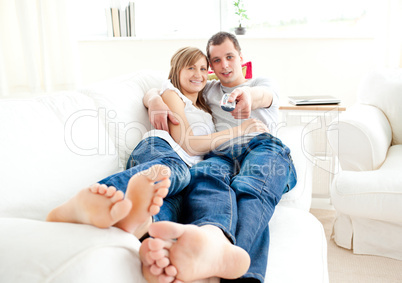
(361, 138)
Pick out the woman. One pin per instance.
(159, 166)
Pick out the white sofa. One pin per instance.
(367, 191)
(53, 146)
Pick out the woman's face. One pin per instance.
(193, 78)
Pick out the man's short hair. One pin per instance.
(219, 38)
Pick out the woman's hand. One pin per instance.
(159, 114)
(252, 126)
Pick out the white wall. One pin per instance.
(299, 66)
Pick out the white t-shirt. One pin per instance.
(200, 122)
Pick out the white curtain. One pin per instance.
(37, 50)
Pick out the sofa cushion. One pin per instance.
(124, 114)
(383, 89)
(297, 248)
(38, 251)
(51, 147)
(380, 190)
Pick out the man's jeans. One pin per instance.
(237, 189)
(149, 152)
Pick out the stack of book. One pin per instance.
(121, 21)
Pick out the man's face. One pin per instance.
(226, 62)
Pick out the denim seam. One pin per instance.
(231, 209)
(270, 179)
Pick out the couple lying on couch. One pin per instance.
(226, 183)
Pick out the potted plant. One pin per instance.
(241, 13)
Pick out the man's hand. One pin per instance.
(250, 98)
(159, 114)
(243, 106)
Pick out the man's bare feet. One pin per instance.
(150, 269)
(157, 271)
(98, 205)
(194, 253)
(146, 191)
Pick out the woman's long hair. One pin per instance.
(183, 58)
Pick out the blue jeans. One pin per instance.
(237, 189)
(149, 152)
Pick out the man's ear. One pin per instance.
(241, 58)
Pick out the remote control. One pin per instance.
(225, 105)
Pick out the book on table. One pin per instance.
(313, 100)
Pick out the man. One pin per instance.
(233, 191)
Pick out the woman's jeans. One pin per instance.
(149, 152)
(237, 189)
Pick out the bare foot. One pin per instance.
(157, 271)
(198, 253)
(150, 269)
(146, 191)
(98, 205)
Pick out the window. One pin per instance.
(194, 18)
(306, 17)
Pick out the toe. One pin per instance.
(94, 188)
(158, 255)
(154, 209)
(102, 189)
(163, 278)
(163, 262)
(155, 270)
(117, 196)
(110, 191)
(163, 184)
(158, 244)
(166, 230)
(162, 192)
(158, 201)
(171, 271)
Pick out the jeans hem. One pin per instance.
(253, 275)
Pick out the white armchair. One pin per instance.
(367, 190)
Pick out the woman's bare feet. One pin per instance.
(98, 205)
(146, 191)
(193, 253)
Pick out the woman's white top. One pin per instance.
(200, 122)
